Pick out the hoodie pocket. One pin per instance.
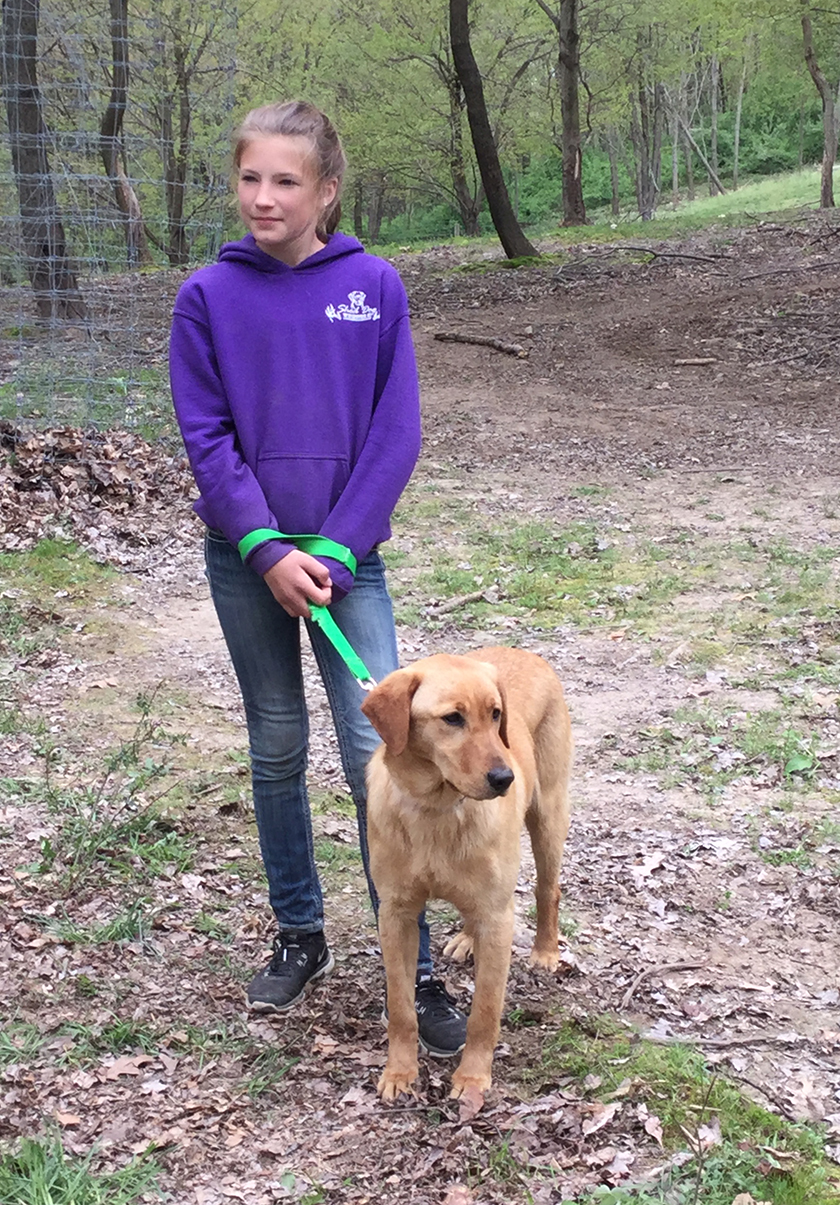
(301, 490)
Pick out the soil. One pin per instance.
(697, 387)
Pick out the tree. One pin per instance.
(47, 261)
(508, 229)
(568, 70)
(111, 141)
(829, 110)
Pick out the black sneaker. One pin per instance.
(298, 959)
(442, 1027)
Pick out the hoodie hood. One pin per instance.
(246, 251)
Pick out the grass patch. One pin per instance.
(710, 748)
(553, 575)
(751, 1149)
(117, 824)
(40, 1172)
(49, 387)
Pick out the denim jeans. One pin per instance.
(264, 645)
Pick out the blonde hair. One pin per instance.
(299, 119)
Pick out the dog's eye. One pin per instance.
(455, 719)
(497, 713)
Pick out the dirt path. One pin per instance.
(695, 914)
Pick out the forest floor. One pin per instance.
(648, 496)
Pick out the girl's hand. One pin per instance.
(298, 580)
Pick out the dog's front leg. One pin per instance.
(399, 938)
(493, 942)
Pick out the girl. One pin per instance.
(295, 388)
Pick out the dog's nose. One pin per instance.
(500, 779)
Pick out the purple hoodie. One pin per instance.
(296, 393)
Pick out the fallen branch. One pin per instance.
(696, 360)
(460, 600)
(827, 263)
(511, 349)
(758, 1039)
(661, 970)
(708, 259)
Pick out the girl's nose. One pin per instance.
(264, 197)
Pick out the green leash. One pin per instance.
(319, 546)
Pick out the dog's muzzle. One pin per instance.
(500, 779)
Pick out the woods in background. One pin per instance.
(124, 111)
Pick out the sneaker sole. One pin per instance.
(439, 1054)
(264, 1006)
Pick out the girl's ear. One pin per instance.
(328, 192)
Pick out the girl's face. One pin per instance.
(280, 198)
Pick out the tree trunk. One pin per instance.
(684, 121)
(111, 145)
(512, 239)
(568, 75)
(612, 154)
(739, 104)
(469, 204)
(47, 261)
(574, 209)
(647, 126)
(358, 209)
(675, 160)
(829, 112)
(692, 143)
(714, 71)
(376, 205)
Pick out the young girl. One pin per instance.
(295, 387)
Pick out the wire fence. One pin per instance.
(114, 183)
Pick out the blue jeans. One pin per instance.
(264, 645)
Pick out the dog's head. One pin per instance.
(445, 715)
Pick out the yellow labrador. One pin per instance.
(473, 746)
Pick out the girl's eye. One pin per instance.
(454, 719)
(497, 713)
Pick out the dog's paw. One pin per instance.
(547, 959)
(460, 947)
(393, 1084)
(470, 1087)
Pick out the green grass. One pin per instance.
(603, 572)
(787, 193)
(114, 826)
(51, 387)
(713, 746)
(40, 1172)
(758, 1151)
(133, 923)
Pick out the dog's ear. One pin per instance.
(388, 707)
(503, 732)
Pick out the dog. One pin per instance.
(473, 746)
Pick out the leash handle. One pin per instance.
(316, 545)
(342, 646)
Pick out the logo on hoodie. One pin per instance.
(356, 311)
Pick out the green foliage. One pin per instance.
(758, 1152)
(39, 1172)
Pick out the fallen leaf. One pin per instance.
(457, 1194)
(127, 1065)
(470, 1102)
(601, 1115)
(66, 1119)
(653, 1126)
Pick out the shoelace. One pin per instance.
(281, 954)
(437, 999)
